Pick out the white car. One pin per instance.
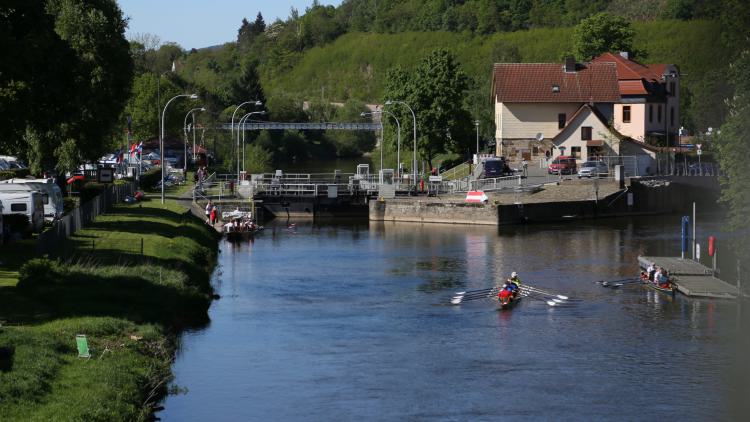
(593, 168)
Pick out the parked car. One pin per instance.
(593, 168)
(495, 167)
(563, 164)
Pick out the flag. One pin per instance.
(132, 149)
(173, 66)
(139, 148)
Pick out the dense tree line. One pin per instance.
(64, 78)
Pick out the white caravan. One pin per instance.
(28, 203)
(52, 194)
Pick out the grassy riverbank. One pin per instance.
(130, 305)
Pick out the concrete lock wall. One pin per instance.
(433, 212)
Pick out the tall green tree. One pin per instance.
(601, 33)
(435, 91)
(733, 150)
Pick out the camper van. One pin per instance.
(52, 194)
(28, 203)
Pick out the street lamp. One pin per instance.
(382, 136)
(161, 141)
(257, 103)
(476, 123)
(184, 127)
(414, 120)
(239, 125)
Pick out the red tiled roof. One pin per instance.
(629, 69)
(534, 82)
(632, 87)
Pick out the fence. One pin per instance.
(50, 240)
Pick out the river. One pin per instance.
(351, 322)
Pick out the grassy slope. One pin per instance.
(126, 305)
(354, 65)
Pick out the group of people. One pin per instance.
(510, 289)
(240, 225)
(657, 275)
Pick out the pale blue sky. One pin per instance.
(203, 23)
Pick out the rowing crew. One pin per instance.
(510, 289)
(656, 275)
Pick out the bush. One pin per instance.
(150, 178)
(39, 272)
(16, 223)
(90, 191)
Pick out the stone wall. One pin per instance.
(433, 211)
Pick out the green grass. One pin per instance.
(130, 305)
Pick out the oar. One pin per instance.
(468, 292)
(545, 292)
(548, 302)
(546, 297)
(474, 296)
(632, 281)
(615, 281)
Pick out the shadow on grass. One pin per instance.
(135, 293)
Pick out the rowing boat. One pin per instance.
(669, 290)
(511, 303)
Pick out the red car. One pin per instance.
(563, 164)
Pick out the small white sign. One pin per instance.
(698, 146)
(699, 152)
(436, 178)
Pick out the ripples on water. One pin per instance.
(352, 323)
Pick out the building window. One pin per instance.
(626, 114)
(650, 113)
(18, 207)
(586, 133)
(671, 116)
(561, 119)
(658, 114)
(576, 151)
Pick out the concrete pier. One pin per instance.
(692, 278)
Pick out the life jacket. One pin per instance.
(516, 282)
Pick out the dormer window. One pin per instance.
(555, 88)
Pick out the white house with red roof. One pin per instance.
(609, 106)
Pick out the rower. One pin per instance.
(506, 293)
(650, 271)
(515, 281)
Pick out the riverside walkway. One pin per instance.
(692, 278)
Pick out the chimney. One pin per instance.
(570, 64)
(625, 55)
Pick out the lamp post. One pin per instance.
(257, 103)
(161, 140)
(382, 135)
(184, 127)
(414, 120)
(476, 123)
(240, 124)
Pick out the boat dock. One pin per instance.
(692, 278)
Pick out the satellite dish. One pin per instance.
(539, 137)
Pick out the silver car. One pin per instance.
(593, 169)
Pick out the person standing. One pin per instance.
(209, 206)
(212, 215)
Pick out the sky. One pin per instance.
(203, 23)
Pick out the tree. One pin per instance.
(435, 90)
(733, 150)
(601, 33)
(247, 86)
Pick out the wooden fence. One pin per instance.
(50, 240)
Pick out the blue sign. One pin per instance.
(685, 233)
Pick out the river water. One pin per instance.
(351, 322)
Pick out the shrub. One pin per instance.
(16, 223)
(90, 191)
(150, 178)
